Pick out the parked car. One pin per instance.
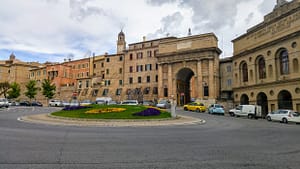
(85, 102)
(55, 103)
(164, 104)
(250, 111)
(148, 103)
(74, 102)
(65, 103)
(195, 106)
(36, 103)
(216, 109)
(13, 103)
(25, 103)
(3, 102)
(103, 100)
(130, 102)
(112, 102)
(284, 116)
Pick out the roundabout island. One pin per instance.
(110, 116)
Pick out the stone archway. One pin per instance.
(262, 100)
(244, 99)
(184, 85)
(285, 100)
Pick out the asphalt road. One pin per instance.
(223, 143)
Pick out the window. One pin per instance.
(229, 82)
(228, 68)
(206, 91)
(87, 74)
(245, 72)
(156, 66)
(156, 78)
(120, 70)
(130, 80)
(87, 84)
(79, 84)
(107, 71)
(121, 58)
(148, 79)
(262, 68)
(107, 82)
(147, 90)
(95, 92)
(155, 52)
(107, 59)
(130, 69)
(139, 55)
(105, 92)
(165, 92)
(284, 62)
(130, 56)
(148, 67)
(102, 64)
(139, 79)
(120, 82)
(139, 68)
(155, 90)
(95, 66)
(149, 53)
(119, 91)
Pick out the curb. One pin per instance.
(64, 121)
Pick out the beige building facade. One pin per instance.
(266, 69)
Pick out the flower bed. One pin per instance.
(148, 112)
(105, 110)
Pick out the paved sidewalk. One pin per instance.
(54, 120)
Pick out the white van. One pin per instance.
(250, 111)
(103, 100)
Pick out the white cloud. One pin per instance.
(61, 27)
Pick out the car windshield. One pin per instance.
(218, 106)
(163, 102)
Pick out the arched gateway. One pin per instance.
(188, 69)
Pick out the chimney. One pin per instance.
(144, 38)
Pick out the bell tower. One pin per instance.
(121, 43)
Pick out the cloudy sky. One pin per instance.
(52, 30)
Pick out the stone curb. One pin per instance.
(63, 121)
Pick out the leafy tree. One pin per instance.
(15, 91)
(31, 89)
(4, 87)
(48, 89)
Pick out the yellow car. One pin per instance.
(195, 106)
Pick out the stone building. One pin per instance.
(266, 60)
(14, 70)
(188, 69)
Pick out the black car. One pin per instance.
(33, 103)
(25, 103)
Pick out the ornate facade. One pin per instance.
(266, 61)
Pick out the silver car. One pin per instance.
(3, 102)
(284, 115)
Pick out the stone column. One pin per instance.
(170, 80)
(211, 84)
(199, 87)
(160, 82)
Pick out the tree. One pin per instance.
(15, 91)
(31, 89)
(4, 87)
(48, 89)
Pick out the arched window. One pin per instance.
(245, 72)
(284, 62)
(262, 68)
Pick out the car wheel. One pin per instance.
(269, 118)
(185, 109)
(284, 120)
(197, 110)
(231, 114)
(250, 116)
